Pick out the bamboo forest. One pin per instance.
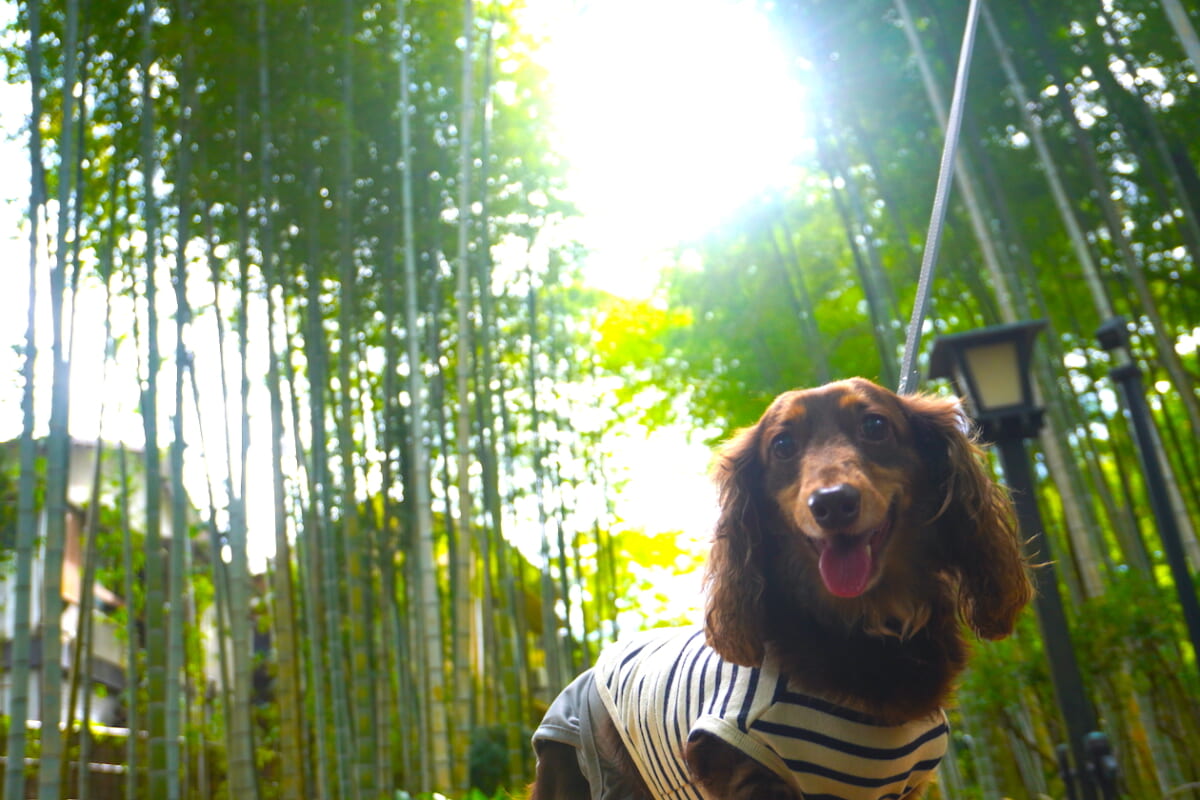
(325, 438)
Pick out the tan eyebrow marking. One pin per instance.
(851, 399)
(797, 409)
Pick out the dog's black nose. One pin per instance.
(835, 506)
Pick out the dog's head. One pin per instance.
(861, 508)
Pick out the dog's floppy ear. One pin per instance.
(975, 518)
(733, 613)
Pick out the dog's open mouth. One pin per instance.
(847, 563)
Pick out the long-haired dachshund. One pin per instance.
(857, 528)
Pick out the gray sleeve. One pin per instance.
(574, 719)
(562, 721)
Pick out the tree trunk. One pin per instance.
(19, 653)
(220, 581)
(500, 697)
(287, 659)
(463, 583)
(81, 662)
(240, 733)
(58, 444)
(156, 656)
(329, 765)
(360, 683)
(790, 266)
(219, 574)
(333, 652)
(1049, 168)
(132, 715)
(555, 669)
(428, 612)
(395, 659)
(876, 314)
(1182, 24)
(180, 534)
(963, 178)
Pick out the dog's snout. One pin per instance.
(835, 506)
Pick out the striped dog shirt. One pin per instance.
(663, 686)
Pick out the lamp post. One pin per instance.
(1114, 337)
(990, 368)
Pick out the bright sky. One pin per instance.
(671, 113)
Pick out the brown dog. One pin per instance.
(857, 528)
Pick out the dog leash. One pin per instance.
(909, 375)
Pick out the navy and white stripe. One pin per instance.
(664, 685)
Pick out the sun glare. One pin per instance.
(671, 113)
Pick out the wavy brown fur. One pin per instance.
(953, 551)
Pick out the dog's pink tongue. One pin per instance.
(846, 570)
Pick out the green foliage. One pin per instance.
(1136, 627)
(489, 760)
(8, 502)
(10, 474)
(1128, 643)
(654, 566)
(737, 327)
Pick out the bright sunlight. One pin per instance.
(671, 114)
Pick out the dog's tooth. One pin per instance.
(868, 551)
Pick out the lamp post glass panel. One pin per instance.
(990, 368)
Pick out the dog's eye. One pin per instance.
(874, 427)
(783, 446)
